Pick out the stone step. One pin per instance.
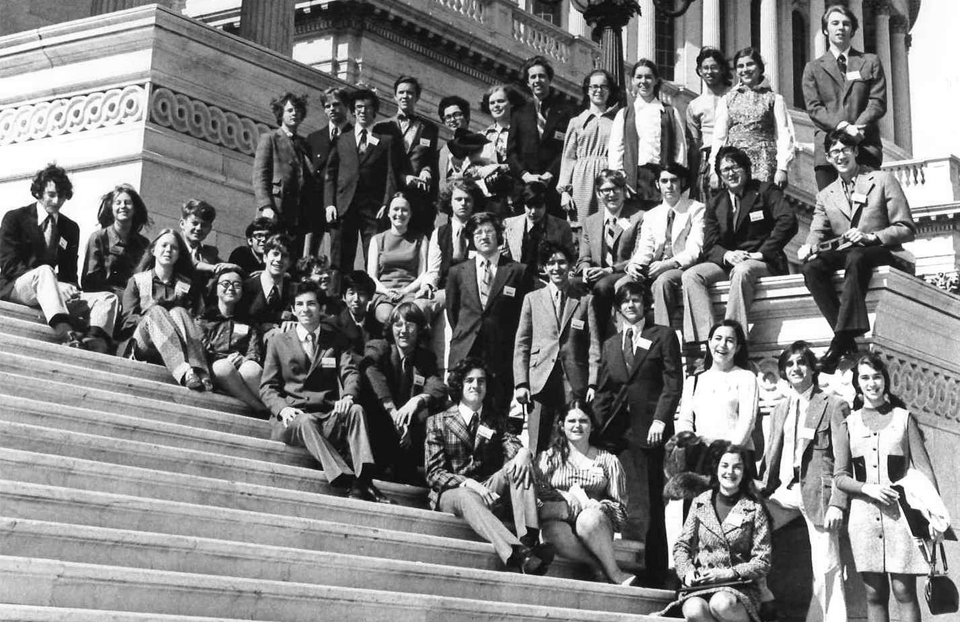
(25, 581)
(26, 613)
(115, 547)
(27, 328)
(22, 312)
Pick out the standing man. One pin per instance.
(797, 474)
(866, 213)
(526, 232)
(845, 90)
(701, 117)
(335, 101)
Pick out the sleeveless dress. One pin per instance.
(752, 127)
(399, 258)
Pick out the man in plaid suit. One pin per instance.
(471, 460)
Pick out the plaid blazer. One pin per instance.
(452, 455)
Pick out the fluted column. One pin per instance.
(269, 23)
(770, 42)
(818, 42)
(857, 7)
(99, 7)
(647, 31)
(899, 81)
(576, 24)
(711, 23)
(882, 18)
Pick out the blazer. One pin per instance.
(768, 232)
(358, 336)
(282, 180)
(687, 243)
(878, 205)
(573, 342)
(381, 367)
(110, 261)
(592, 239)
(655, 391)
(254, 306)
(291, 379)
(23, 248)
(556, 230)
(452, 455)
(821, 424)
(320, 145)
(424, 146)
(494, 326)
(527, 150)
(368, 181)
(831, 100)
(243, 256)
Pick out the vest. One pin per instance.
(668, 140)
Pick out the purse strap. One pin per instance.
(931, 556)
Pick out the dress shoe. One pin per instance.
(357, 492)
(71, 339)
(838, 349)
(546, 552)
(96, 344)
(368, 492)
(524, 560)
(374, 494)
(192, 381)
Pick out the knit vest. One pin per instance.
(631, 141)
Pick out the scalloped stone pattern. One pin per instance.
(204, 121)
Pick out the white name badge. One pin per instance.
(734, 519)
(484, 432)
(807, 433)
(755, 216)
(418, 380)
(854, 75)
(577, 324)
(595, 473)
(559, 135)
(328, 361)
(644, 343)
(509, 291)
(373, 140)
(858, 197)
(424, 142)
(63, 244)
(181, 288)
(241, 330)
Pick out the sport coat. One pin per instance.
(254, 306)
(424, 145)
(358, 336)
(284, 179)
(366, 181)
(821, 423)
(556, 230)
(878, 206)
(687, 242)
(765, 224)
(291, 379)
(543, 342)
(654, 392)
(861, 99)
(23, 248)
(592, 239)
(452, 455)
(527, 150)
(382, 368)
(320, 146)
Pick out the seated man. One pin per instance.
(250, 257)
(867, 214)
(671, 240)
(526, 232)
(266, 296)
(303, 372)
(196, 223)
(472, 461)
(317, 269)
(37, 239)
(744, 232)
(356, 322)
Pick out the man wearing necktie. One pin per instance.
(266, 296)
(798, 459)
(846, 90)
(335, 101)
(525, 233)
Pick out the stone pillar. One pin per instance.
(898, 77)
(576, 24)
(690, 29)
(711, 23)
(269, 23)
(785, 37)
(857, 7)
(99, 7)
(882, 14)
(818, 42)
(770, 42)
(647, 31)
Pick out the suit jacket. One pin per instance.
(291, 379)
(823, 420)
(254, 305)
(878, 204)
(556, 230)
(424, 146)
(687, 243)
(765, 224)
(320, 146)
(452, 455)
(573, 342)
(110, 261)
(592, 239)
(366, 181)
(382, 369)
(527, 150)
(493, 326)
(653, 394)
(284, 179)
(358, 336)
(23, 248)
(831, 100)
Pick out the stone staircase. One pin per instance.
(126, 498)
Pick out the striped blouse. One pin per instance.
(601, 478)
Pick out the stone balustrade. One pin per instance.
(929, 181)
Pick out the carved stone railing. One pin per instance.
(928, 181)
(474, 9)
(541, 37)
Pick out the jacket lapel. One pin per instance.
(458, 428)
(829, 64)
(569, 309)
(746, 204)
(862, 187)
(641, 354)
(515, 238)
(498, 280)
(854, 63)
(708, 517)
(815, 410)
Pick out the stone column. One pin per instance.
(882, 14)
(647, 31)
(269, 23)
(770, 42)
(857, 7)
(818, 42)
(898, 77)
(99, 7)
(576, 24)
(711, 23)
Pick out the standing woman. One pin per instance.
(882, 442)
(646, 134)
(755, 119)
(701, 117)
(117, 247)
(500, 102)
(585, 146)
(158, 307)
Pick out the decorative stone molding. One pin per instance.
(79, 113)
(925, 391)
(206, 122)
(947, 281)
(539, 36)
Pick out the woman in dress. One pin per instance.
(882, 442)
(725, 539)
(755, 119)
(585, 146)
(583, 489)
(117, 247)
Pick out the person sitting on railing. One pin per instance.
(250, 256)
(35, 241)
(117, 247)
(861, 220)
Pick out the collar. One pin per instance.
(682, 206)
(410, 118)
(640, 104)
(529, 226)
(456, 226)
(42, 214)
(283, 128)
(637, 332)
(837, 52)
(358, 128)
(554, 289)
(763, 86)
(607, 214)
(493, 260)
(267, 283)
(467, 413)
(496, 127)
(303, 332)
(806, 395)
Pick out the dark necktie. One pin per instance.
(406, 378)
(558, 301)
(334, 133)
(668, 241)
(50, 236)
(842, 65)
(273, 297)
(362, 144)
(474, 426)
(628, 347)
(310, 346)
(531, 244)
(486, 276)
(460, 246)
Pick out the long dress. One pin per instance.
(584, 156)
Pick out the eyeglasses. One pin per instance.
(608, 189)
(234, 285)
(598, 87)
(835, 153)
(729, 170)
(453, 116)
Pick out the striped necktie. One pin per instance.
(609, 241)
(668, 241)
(485, 277)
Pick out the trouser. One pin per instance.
(359, 223)
(546, 406)
(697, 306)
(174, 336)
(646, 522)
(322, 433)
(604, 290)
(468, 505)
(39, 287)
(665, 290)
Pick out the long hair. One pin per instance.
(459, 371)
(874, 362)
(140, 216)
(559, 450)
(408, 312)
(613, 90)
(741, 358)
(717, 450)
(183, 266)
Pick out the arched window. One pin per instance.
(800, 38)
(666, 46)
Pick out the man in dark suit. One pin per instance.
(250, 256)
(745, 230)
(303, 372)
(355, 322)
(866, 212)
(362, 175)
(637, 396)
(797, 474)
(38, 265)
(525, 233)
(537, 131)
(472, 463)
(483, 300)
(266, 296)
(420, 143)
(845, 89)
(335, 101)
(557, 350)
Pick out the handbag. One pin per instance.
(940, 591)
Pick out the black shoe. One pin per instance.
(374, 494)
(96, 344)
(839, 347)
(192, 381)
(546, 552)
(524, 560)
(367, 492)
(768, 612)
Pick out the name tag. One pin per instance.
(241, 330)
(424, 142)
(373, 140)
(644, 343)
(471, 254)
(509, 291)
(577, 324)
(734, 519)
(181, 288)
(755, 216)
(858, 197)
(328, 362)
(418, 380)
(854, 75)
(559, 135)
(484, 432)
(63, 244)
(806, 433)
(595, 473)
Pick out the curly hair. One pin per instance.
(445, 196)
(459, 371)
(58, 176)
(277, 105)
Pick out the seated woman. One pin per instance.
(397, 262)
(158, 304)
(234, 346)
(583, 490)
(117, 247)
(724, 549)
